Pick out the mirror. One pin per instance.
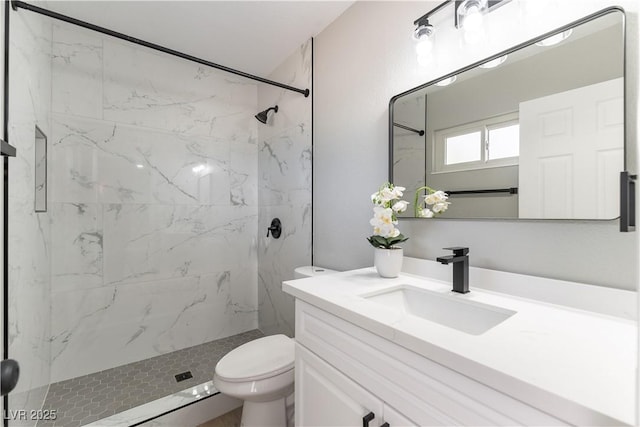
(535, 132)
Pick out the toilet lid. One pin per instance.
(258, 359)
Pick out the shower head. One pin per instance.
(262, 116)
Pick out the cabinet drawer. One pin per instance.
(325, 397)
(416, 387)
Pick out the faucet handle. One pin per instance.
(458, 250)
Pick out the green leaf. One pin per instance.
(378, 242)
(386, 243)
(398, 239)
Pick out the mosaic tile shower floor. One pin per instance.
(83, 400)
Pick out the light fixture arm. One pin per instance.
(426, 16)
(423, 20)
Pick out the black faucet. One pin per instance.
(460, 260)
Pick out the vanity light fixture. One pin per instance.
(423, 33)
(555, 39)
(494, 62)
(468, 14)
(423, 29)
(423, 36)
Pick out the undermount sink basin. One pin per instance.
(448, 310)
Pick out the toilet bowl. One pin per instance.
(259, 372)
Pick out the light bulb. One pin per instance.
(495, 62)
(447, 82)
(555, 39)
(424, 46)
(473, 19)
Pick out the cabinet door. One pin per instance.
(326, 397)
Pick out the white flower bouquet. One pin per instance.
(387, 204)
(434, 203)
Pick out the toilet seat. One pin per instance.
(258, 359)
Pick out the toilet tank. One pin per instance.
(310, 271)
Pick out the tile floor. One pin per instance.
(80, 401)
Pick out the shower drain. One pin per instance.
(183, 376)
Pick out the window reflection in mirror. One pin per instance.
(547, 119)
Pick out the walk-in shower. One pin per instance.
(144, 260)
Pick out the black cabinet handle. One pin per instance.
(627, 201)
(385, 425)
(367, 418)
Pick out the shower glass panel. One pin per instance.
(29, 231)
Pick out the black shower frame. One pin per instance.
(5, 195)
(16, 4)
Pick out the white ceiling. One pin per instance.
(251, 36)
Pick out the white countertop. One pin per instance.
(575, 364)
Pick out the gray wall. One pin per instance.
(353, 86)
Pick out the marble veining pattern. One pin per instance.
(108, 162)
(184, 98)
(154, 204)
(29, 233)
(153, 236)
(76, 65)
(284, 169)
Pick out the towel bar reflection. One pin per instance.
(511, 190)
(419, 132)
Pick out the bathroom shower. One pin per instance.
(165, 261)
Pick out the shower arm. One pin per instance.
(16, 4)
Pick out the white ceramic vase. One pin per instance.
(388, 262)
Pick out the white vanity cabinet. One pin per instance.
(344, 372)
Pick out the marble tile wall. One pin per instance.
(29, 233)
(285, 174)
(154, 204)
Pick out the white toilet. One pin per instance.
(260, 372)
